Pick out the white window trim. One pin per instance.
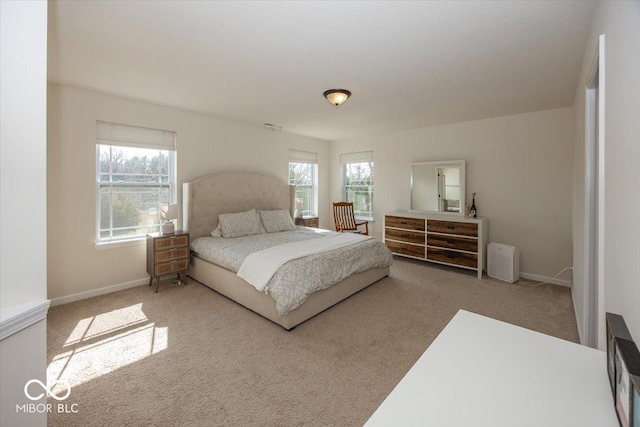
(138, 241)
(368, 157)
(314, 183)
(167, 142)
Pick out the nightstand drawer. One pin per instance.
(172, 267)
(309, 221)
(171, 242)
(167, 254)
(171, 254)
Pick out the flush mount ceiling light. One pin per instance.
(337, 97)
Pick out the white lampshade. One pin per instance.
(168, 212)
(337, 97)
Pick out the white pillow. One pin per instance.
(262, 229)
(217, 232)
(279, 220)
(239, 224)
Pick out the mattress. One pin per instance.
(294, 281)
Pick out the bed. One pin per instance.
(206, 198)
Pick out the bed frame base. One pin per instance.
(231, 286)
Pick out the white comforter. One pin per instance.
(295, 280)
(259, 267)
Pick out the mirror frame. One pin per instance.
(463, 184)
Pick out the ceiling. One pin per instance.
(408, 64)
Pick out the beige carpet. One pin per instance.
(190, 357)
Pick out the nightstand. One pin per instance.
(167, 254)
(308, 221)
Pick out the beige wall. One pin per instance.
(620, 23)
(205, 145)
(520, 166)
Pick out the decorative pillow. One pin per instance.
(239, 224)
(217, 232)
(262, 229)
(275, 221)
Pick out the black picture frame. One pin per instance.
(635, 401)
(616, 328)
(627, 365)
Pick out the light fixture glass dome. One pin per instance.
(337, 97)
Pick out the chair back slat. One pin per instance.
(344, 216)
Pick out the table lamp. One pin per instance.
(168, 212)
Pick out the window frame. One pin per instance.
(314, 186)
(345, 188)
(171, 185)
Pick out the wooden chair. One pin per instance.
(345, 219)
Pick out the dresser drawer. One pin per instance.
(406, 223)
(452, 257)
(171, 254)
(172, 267)
(452, 227)
(405, 249)
(171, 242)
(404, 235)
(451, 242)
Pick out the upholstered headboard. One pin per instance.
(228, 192)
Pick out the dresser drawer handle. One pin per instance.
(404, 222)
(451, 256)
(451, 227)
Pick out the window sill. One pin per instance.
(358, 218)
(138, 241)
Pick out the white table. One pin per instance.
(483, 372)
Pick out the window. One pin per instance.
(358, 182)
(135, 170)
(303, 174)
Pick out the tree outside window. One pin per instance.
(302, 175)
(358, 188)
(132, 184)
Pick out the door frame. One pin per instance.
(593, 322)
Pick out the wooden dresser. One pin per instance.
(443, 239)
(167, 254)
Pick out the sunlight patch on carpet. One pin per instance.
(101, 344)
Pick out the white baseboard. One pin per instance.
(542, 279)
(101, 291)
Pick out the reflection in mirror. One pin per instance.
(438, 186)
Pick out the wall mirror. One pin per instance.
(438, 187)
